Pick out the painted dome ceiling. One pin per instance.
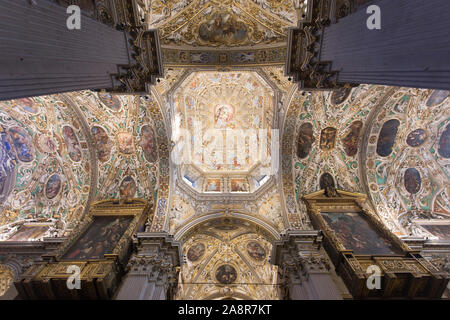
(223, 121)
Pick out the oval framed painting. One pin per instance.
(53, 186)
(226, 274)
(196, 251)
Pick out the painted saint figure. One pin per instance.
(305, 140)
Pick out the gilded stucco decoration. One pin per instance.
(227, 258)
(6, 278)
(132, 148)
(227, 23)
(265, 208)
(407, 160)
(46, 168)
(125, 140)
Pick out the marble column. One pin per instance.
(152, 270)
(305, 270)
(40, 55)
(410, 49)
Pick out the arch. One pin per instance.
(184, 230)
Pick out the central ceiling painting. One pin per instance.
(224, 120)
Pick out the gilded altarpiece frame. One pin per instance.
(404, 272)
(99, 277)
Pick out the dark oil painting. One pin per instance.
(444, 143)
(196, 252)
(416, 138)
(340, 95)
(441, 231)
(412, 180)
(326, 181)
(351, 139)
(355, 233)
(99, 239)
(328, 138)
(387, 137)
(305, 140)
(256, 251)
(226, 274)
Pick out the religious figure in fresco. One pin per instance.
(213, 185)
(355, 233)
(127, 188)
(239, 185)
(148, 144)
(223, 114)
(125, 142)
(351, 139)
(28, 105)
(47, 143)
(103, 142)
(222, 28)
(196, 252)
(412, 180)
(72, 144)
(305, 140)
(109, 100)
(256, 251)
(416, 137)
(437, 97)
(387, 136)
(226, 274)
(53, 186)
(444, 143)
(327, 138)
(22, 144)
(8, 165)
(340, 95)
(101, 238)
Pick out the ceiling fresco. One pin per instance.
(387, 142)
(59, 153)
(407, 164)
(227, 258)
(218, 110)
(45, 174)
(125, 140)
(321, 134)
(224, 23)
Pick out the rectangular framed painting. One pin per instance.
(356, 233)
(213, 185)
(29, 232)
(239, 185)
(442, 231)
(99, 239)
